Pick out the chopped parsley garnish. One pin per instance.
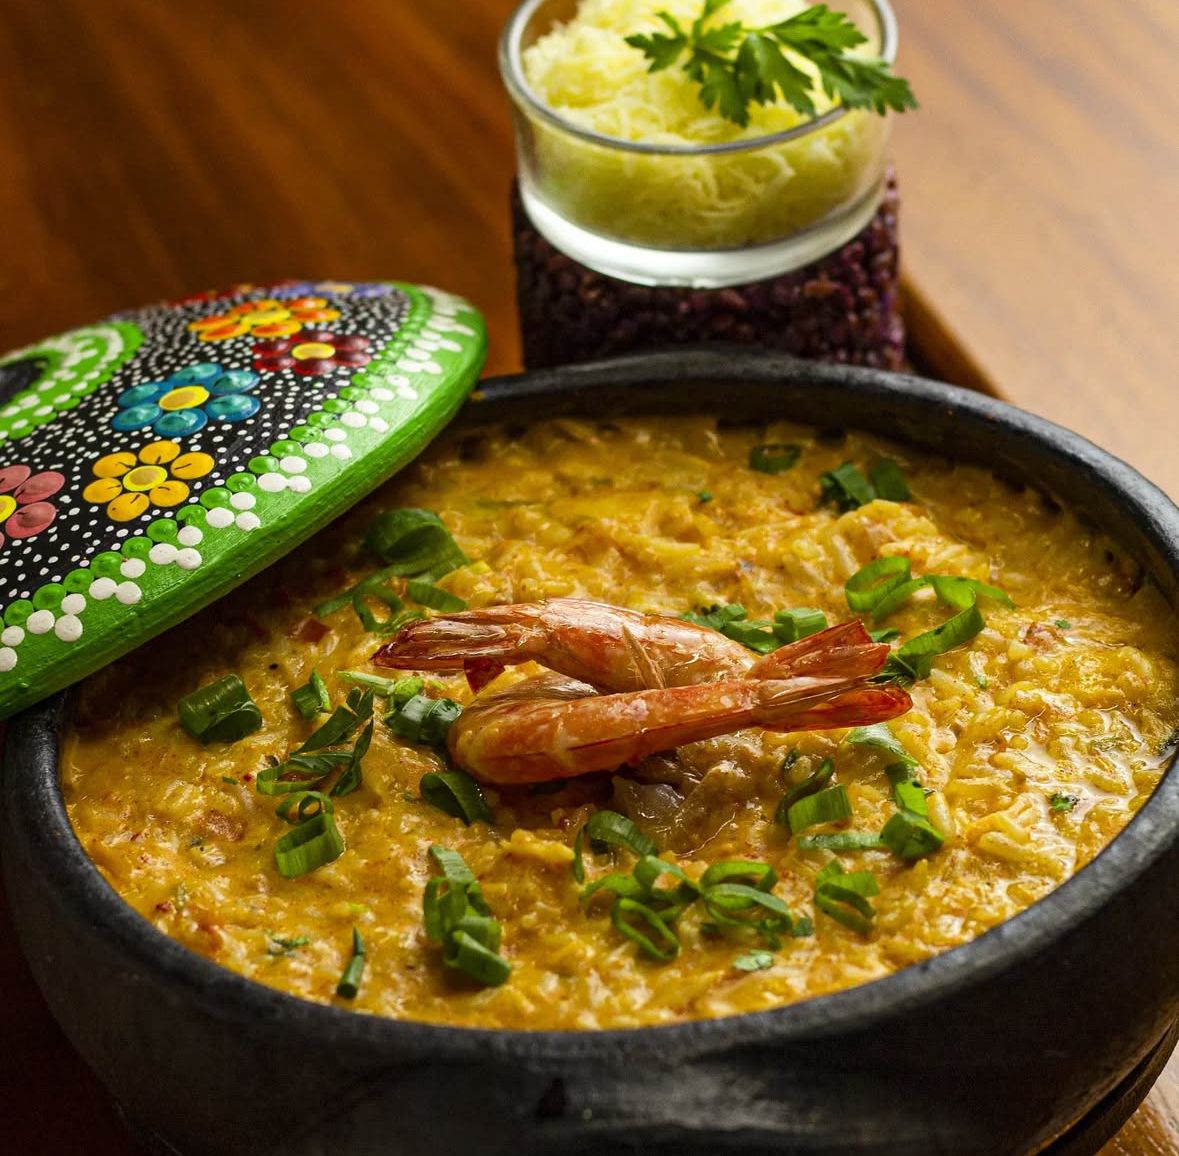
(1062, 803)
(736, 65)
(754, 961)
(277, 945)
(1063, 624)
(703, 496)
(846, 487)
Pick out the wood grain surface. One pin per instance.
(153, 149)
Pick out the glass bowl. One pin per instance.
(701, 215)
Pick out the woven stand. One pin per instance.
(841, 308)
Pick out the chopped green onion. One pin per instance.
(231, 780)
(889, 482)
(704, 496)
(414, 544)
(223, 711)
(914, 659)
(793, 625)
(897, 597)
(812, 783)
(344, 722)
(868, 585)
(308, 846)
(844, 896)
(841, 841)
(349, 983)
(911, 836)
(312, 698)
(828, 806)
(1063, 624)
(963, 592)
(351, 778)
(757, 636)
(399, 690)
(456, 915)
(427, 594)
(803, 928)
(668, 946)
(883, 635)
(754, 961)
(846, 487)
(280, 946)
(609, 829)
(456, 793)
(306, 769)
(774, 458)
(880, 737)
(1062, 802)
(299, 806)
(762, 874)
(424, 720)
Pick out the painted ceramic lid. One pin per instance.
(153, 461)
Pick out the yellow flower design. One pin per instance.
(267, 317)
(157, 476)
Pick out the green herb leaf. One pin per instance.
(828, 806)
(427, 594)
(846, 488)
(879, 736)
(312, 698)
(456, 915)
(1062, 803)
(349, 983)
(889, 482)
(277, 945)
(1063, 624)
(223, 711)
(774, 458)
(634, 920)
(736, 66)
(793, 625)
(456, 793)
(841, 841)
(754, 961)
(914, 659)
(911, 836)
(844, 896)
(871, 583)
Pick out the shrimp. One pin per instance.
(606, 646)
(551, 727)
(626, 685)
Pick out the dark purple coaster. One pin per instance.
(842, 308)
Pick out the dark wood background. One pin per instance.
(150, 149)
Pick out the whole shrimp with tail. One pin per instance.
(622, 685)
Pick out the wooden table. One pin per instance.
(151, 149)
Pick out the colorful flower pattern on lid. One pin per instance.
(184, 402)
(158, 475)
(24, 508)
(142, 474)
(313, 352)
(267, 317)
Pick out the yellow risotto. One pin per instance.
(1034, 742)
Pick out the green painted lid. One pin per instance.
(153, 461)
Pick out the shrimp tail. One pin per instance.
(845, 651)
(450, 642)
(859, 707)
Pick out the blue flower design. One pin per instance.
(361, 289)
(184, 403)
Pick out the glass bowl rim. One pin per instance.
(512, 72)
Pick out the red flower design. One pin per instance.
(24, 510)
(312, 352)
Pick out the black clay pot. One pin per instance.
(995, 1048)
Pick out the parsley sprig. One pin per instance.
(736, 66)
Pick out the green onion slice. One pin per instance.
(774, 458)
(841, 841)
(816, 781)
(792, 625)
(414, 544)
(963, 592)
(352, 776)
(609, 829)
(914, 659)
(757, 636)
(312, 698)
(889, 482)
(299, 806)
(223, 711)
(844, 896)
(829, 806)
(757, 960)
(299, 772)
(871, 583)
(910, 836)
(349, 983)
(879, 736)
(427, 594)
(308, 846)
(424, 720)
(456, 793)
(466, 954)
(343, 723)
(763, 876)
(662, 942)
(846, 487)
